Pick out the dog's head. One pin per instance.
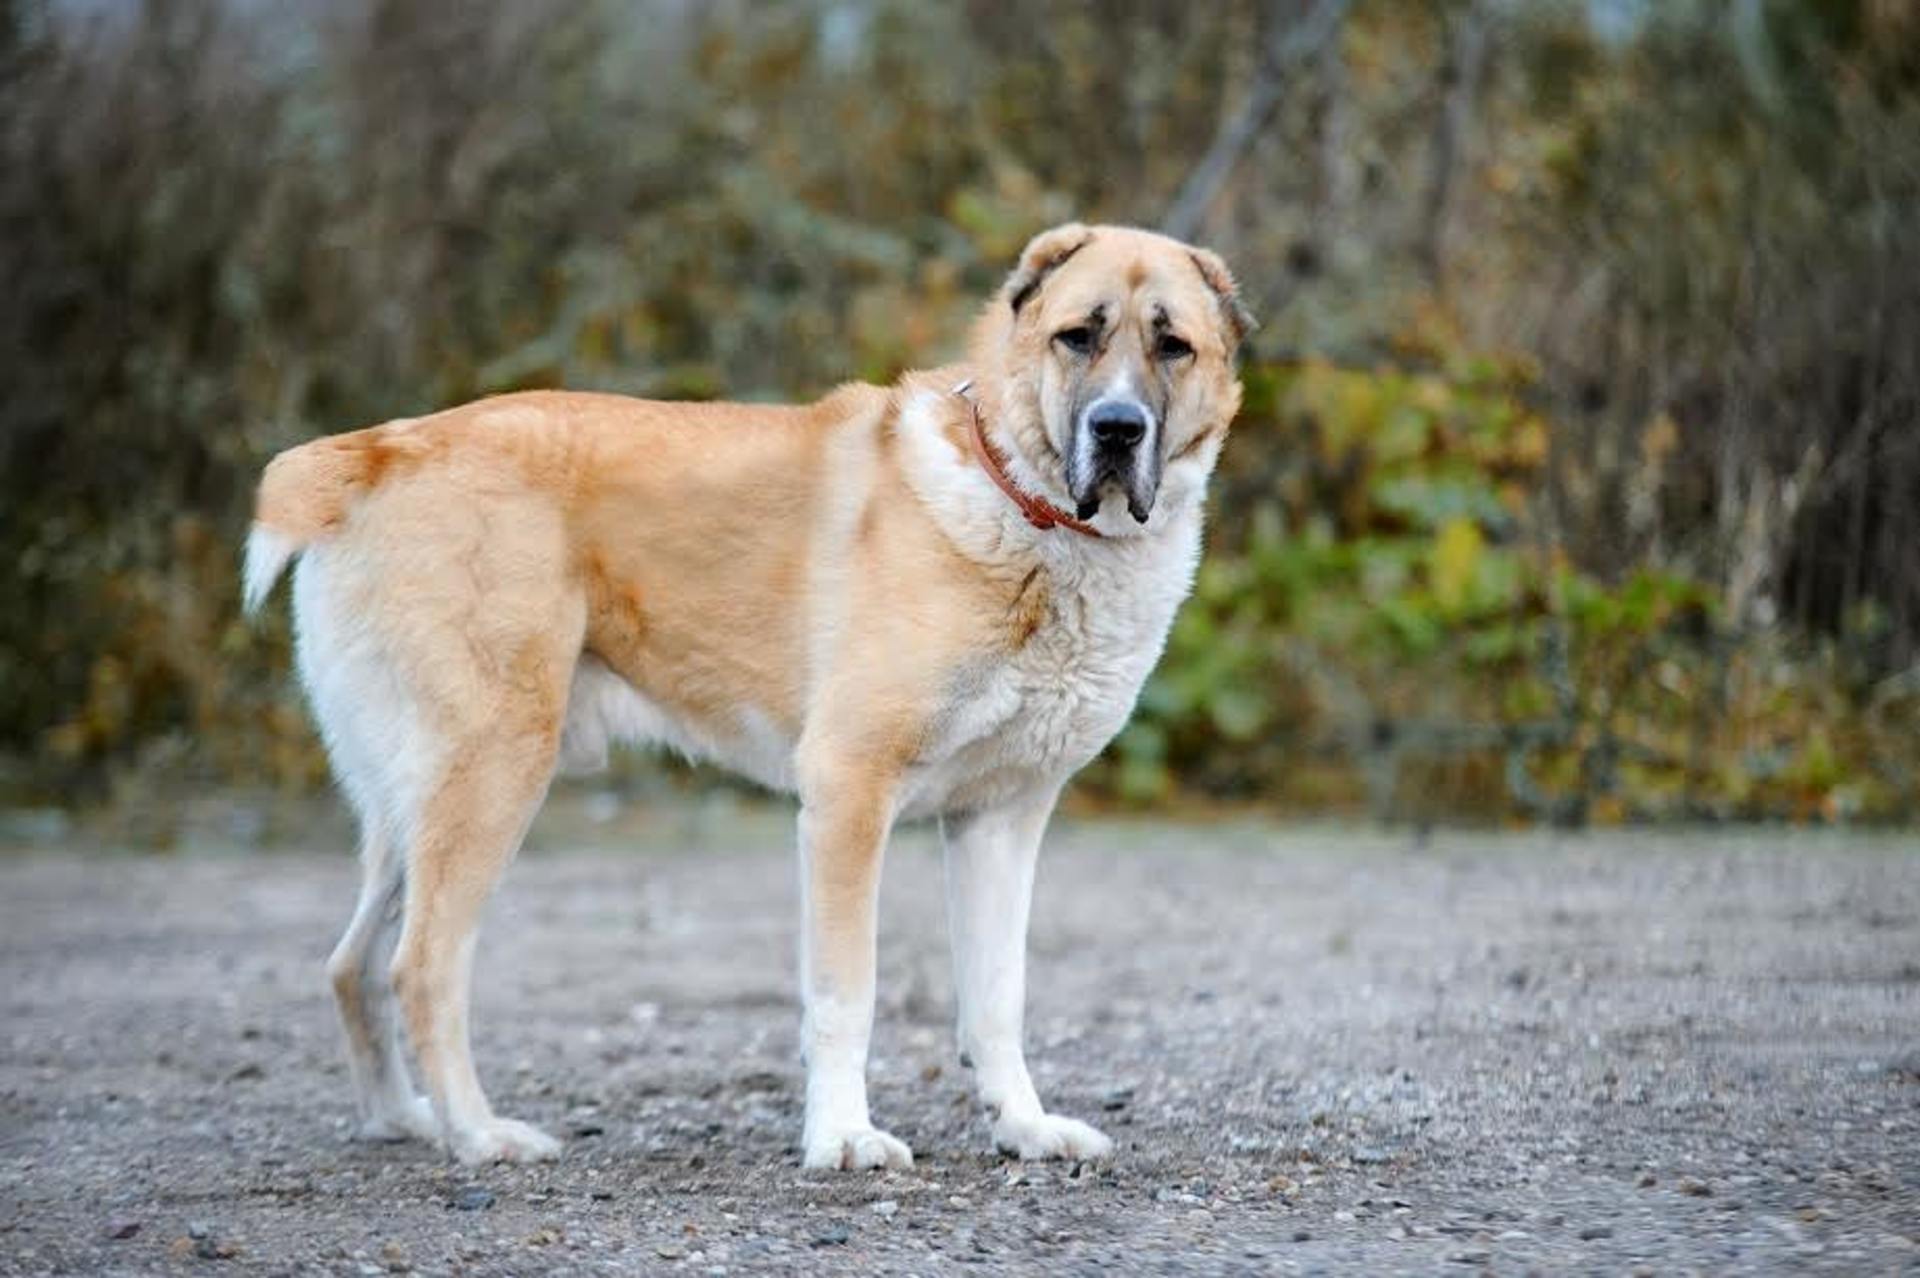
(1114, 350)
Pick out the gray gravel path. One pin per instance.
(1319, 1052)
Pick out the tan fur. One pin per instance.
(735, 565)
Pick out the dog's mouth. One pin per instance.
(1138, 492)
(1099, 467)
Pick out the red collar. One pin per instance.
(1040, 512)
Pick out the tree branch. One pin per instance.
(1294, 45)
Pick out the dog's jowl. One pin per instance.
(938, 598)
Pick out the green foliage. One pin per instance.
(1513, 547)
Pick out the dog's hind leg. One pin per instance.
(471, 825)
(390, 1109)
(438, 635)
(372, 737)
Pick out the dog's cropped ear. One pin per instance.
(1043, 253)
(1213, 270)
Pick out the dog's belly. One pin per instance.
(604, 709)
(1007, 734)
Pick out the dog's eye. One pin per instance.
(1171, 348)
(1078, 340)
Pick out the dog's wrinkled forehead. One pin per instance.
(1069, 272)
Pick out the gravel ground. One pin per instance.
(1318, 1050)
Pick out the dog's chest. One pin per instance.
(1035, 716)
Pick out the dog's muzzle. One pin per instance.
(1115, 444)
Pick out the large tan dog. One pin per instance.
(875, 602)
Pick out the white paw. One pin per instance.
(1050, 1136)
(856, 1149)
(504, 1140)
(414, 1120)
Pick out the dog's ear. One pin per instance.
(1213, 270)
(1043, 253)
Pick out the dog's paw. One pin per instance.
(504, 1140)
(413, 1120)
(1050, 1136)
(856, 1149)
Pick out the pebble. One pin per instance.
(122, 1228)
(885, 1207)
(834, 1237)
(1593, 1233)
(472, 1198)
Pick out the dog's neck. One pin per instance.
(977, 516)
(1039, 512)
(1013, 428)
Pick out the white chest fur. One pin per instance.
(1031, 720)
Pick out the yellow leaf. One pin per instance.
(1456, 557)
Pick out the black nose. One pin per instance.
(1118, 425)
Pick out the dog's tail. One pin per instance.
(268, 553)
(305, 496)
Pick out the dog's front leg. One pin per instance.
(845, 816)
(990, 864)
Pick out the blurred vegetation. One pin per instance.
(1579, 477)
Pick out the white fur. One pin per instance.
(383, 756)
(990, 860)
(268, 553)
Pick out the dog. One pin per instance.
(938, 598)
